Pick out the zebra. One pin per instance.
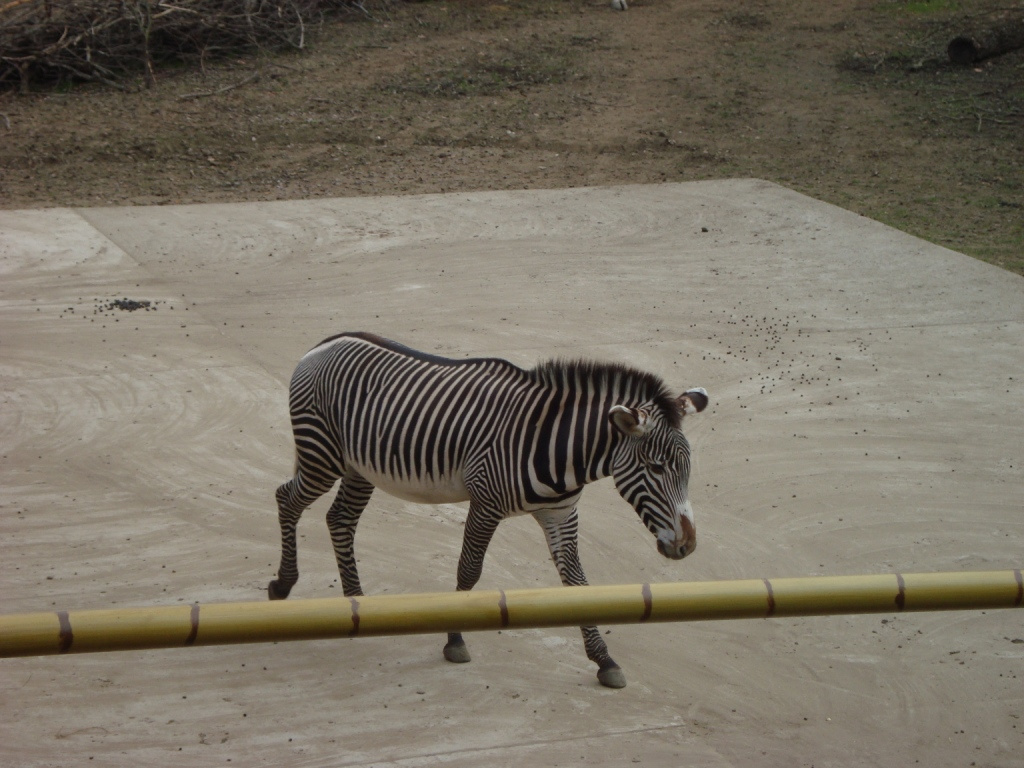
(374, 413)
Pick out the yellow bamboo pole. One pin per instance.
(121, 629)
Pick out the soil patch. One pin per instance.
(850, 102)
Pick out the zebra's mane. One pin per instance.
(639, 386)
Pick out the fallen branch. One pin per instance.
(205, 94)
(13, 4)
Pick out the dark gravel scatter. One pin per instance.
(130, 305)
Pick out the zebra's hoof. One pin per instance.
(619, 5)
(278, 591)
(457, 653)
(612, 677)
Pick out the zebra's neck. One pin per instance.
(572, 440)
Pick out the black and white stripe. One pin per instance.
(373, 413)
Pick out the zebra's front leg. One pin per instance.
(561, 529)
(480, 527)
(343, 516)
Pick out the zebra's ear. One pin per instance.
(629, 421)
(693, 401)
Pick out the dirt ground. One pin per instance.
(851, 102)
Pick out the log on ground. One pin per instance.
(998, 38)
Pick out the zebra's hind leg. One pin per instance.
(480, 527)
(342, 518)
(293, 498)
(561, 529)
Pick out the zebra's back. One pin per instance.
(411, 423)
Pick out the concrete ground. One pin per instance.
(866, 418)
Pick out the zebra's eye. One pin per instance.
(657, 469)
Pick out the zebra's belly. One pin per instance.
(442, 490)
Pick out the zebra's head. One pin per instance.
(651, 468)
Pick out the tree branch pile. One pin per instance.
(108, 41)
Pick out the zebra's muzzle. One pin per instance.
(684, 540)
(676, 551)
